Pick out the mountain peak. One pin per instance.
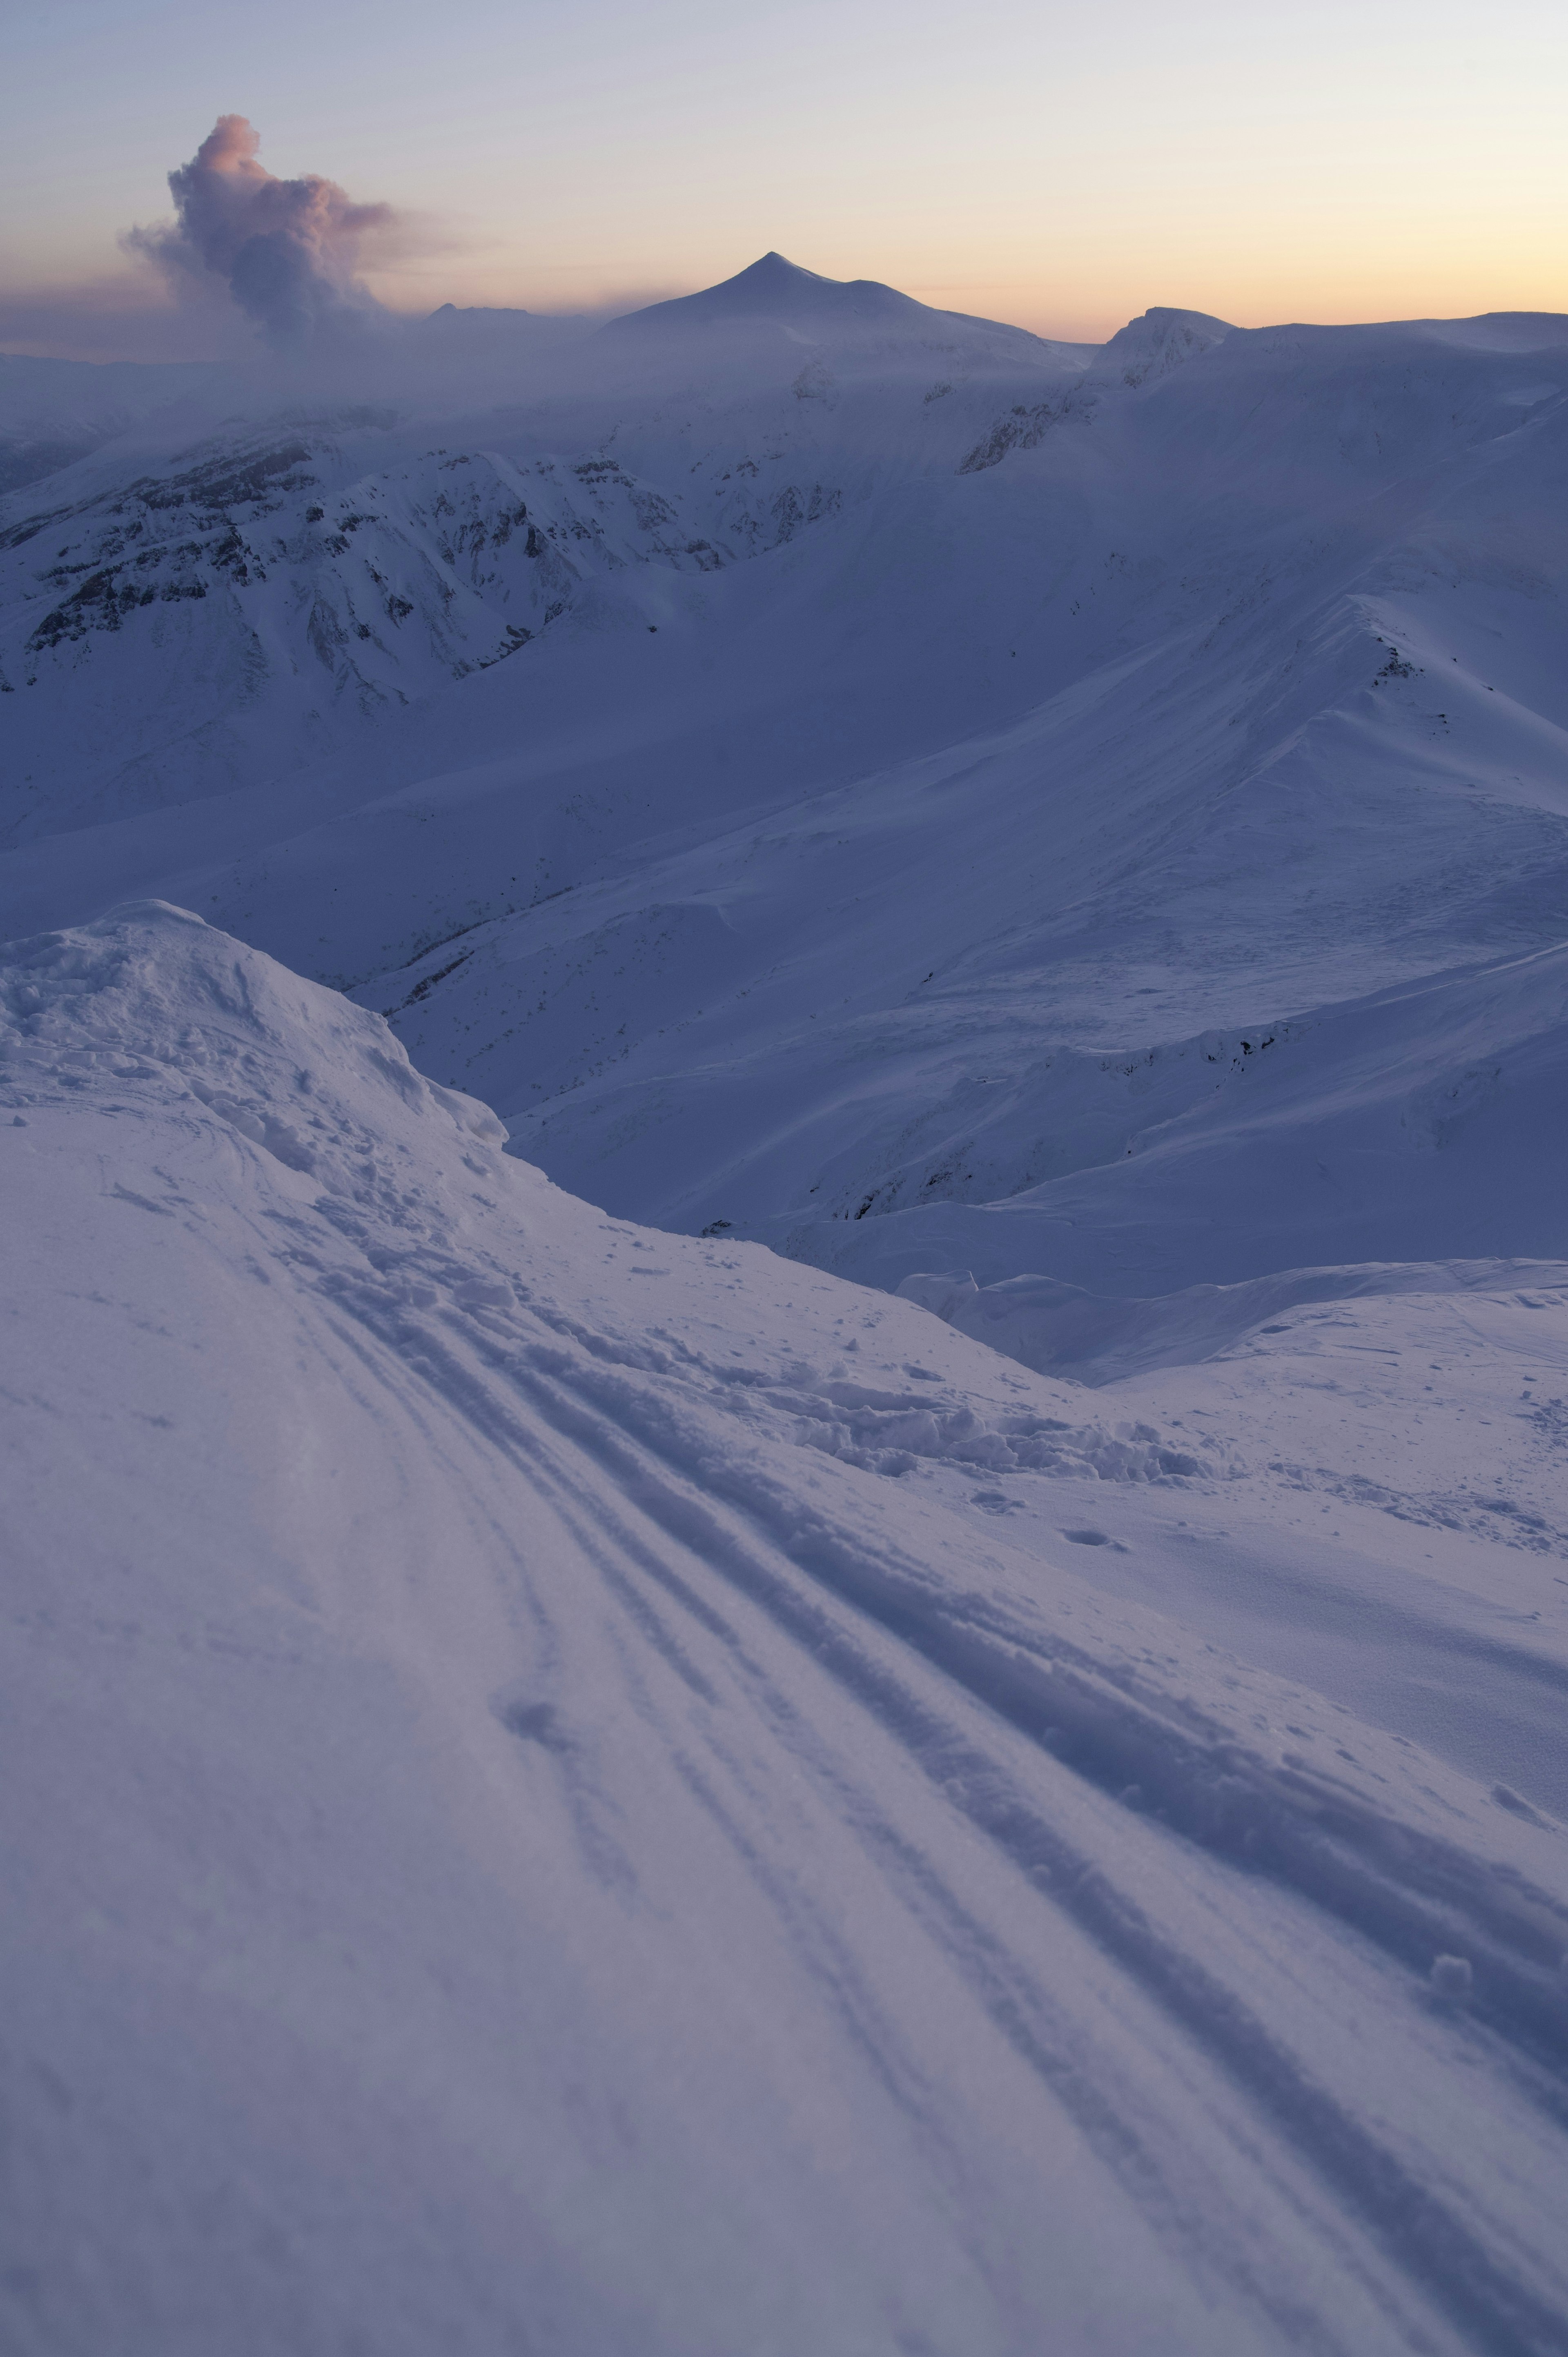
(1160, 339)
(776, 269)
(777, 292)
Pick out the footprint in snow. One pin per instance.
(484, 1293)
(994, 1502)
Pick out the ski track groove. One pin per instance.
(597, 1411)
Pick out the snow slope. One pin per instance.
(574, 1788)
(53, 413)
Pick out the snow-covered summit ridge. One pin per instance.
(185, 1006)
(480, 332)
(1157, 341)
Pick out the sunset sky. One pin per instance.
(1061, 166)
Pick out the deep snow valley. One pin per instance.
(783, 1091)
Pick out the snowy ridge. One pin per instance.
(1425, 1117)
(370, 584)
(606, 1746)
(248, 604)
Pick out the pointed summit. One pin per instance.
(776, 292)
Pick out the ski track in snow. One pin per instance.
(584, 1786)
(730, 1520)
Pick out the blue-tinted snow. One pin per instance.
(581, 1785)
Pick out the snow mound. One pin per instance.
(187, 1008)
(556, 1767)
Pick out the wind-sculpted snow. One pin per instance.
(558, 1767)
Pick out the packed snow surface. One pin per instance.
(577, 1788)
(940, 1729)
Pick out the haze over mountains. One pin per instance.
(871, 769)
(571, 1759)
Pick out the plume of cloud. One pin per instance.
(286, 250)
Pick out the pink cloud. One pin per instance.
(286, 250)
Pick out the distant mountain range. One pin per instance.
(914, 792)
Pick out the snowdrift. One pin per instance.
(578, 1789)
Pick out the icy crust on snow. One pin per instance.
(551, 1845)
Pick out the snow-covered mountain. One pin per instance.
(923, 797)
(181, 620)
(778, 301)
(566, 1759)
(53, 413)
